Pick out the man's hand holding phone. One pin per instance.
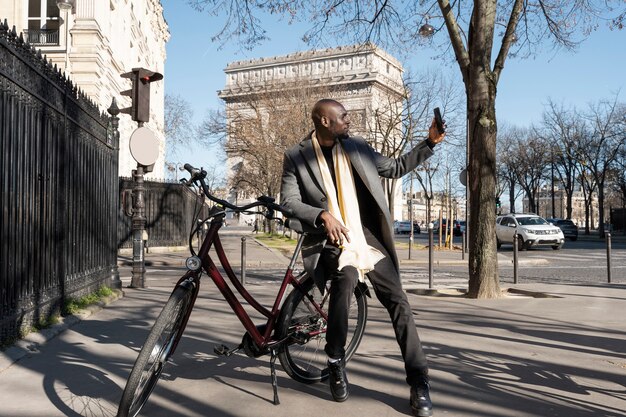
(437, 130)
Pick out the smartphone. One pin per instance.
(439, 120)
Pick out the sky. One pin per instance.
(195, 65)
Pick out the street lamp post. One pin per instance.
(175, 167)
(64, 7)
(410, 206)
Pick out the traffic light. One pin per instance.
(140, 93)
(498, 204)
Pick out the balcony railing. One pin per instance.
(42, 36)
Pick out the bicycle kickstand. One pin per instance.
(273, 373)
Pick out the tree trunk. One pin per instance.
(483, 265)
(587, 225)
(512, 196)
(569, 204)
(601, 230)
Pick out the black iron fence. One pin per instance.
(59, 186)
(170, 209)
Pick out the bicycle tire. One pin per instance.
(304, 358)
(156, 351)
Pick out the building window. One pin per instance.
(43, 22)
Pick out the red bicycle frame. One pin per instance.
(262, 340)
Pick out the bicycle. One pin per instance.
(296, 323)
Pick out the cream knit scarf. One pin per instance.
(344, 206)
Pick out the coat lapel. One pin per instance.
(308, 154)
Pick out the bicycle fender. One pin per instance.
(188, 284)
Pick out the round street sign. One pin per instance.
(463, 177)
(144, 146)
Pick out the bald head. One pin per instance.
(321, 109)
(331, 120)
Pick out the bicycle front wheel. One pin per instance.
(302, 356)
(158, 348)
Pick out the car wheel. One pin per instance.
(520, 243)
(557, 247)
(498, 243)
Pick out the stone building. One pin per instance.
(545, 200)
(364, 78)
(93, 42)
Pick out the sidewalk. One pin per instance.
(514, 357)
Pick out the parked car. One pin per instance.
(532, 231)
(444, 224)
(404, 227)
(459, 227)
(569, 229)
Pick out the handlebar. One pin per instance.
(198, 176)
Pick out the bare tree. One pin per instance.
(255, 130)
(179, 127)
(471, 29)
(618, 178)
(606, 139)
(588, 186)
(508, 137)
(530, 161)
(563, 130)
(397, 126)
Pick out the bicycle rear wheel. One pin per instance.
(158, 348)
(303, 356)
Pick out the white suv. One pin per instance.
(531, 229)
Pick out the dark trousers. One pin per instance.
(388, 288)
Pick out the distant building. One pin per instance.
(440, 203)
(544, 199)
(364, 78)
(93, 42)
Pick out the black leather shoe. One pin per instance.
(338, 380)
(420, 400)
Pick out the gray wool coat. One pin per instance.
(302, 190)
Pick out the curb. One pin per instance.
(501, 262)
(33, 341)
(178, 262)
(462, 292)
(274, 251)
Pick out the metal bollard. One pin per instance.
(515, 241)
(463, 246)
(243, 259)
(515, 258)
(430, 255)
(608, 257)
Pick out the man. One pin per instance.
(332, 180)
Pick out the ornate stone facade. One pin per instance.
(364, 78)
(94, 41)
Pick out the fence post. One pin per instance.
(114, 111)
(515, 258)
(608, 256)
(430, 255)
(243, 259)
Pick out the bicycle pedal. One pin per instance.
(223, 350)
